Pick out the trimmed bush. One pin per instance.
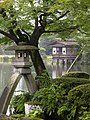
(77, 75)
(70, 82)
(79, 100)
(80, 95)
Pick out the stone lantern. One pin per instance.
(22, 66)
(21, 61)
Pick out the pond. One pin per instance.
(6, 70)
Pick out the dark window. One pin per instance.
(19, 55)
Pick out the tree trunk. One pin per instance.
(37, 62)
(35, 55)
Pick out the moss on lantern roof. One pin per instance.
(22, 47)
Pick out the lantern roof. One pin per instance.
(22, 48)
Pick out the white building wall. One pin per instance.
(54, 51)
(64, 51)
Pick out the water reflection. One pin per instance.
(58, 70)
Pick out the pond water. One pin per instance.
(6, 70)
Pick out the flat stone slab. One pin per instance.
(5, 117)
(22, 47)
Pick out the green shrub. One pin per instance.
(80, 95)
(79, 98)
(18, 102)
(85, 116)
(70, 82)
(52, 99)
(77, 75)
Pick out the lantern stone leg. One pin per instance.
(8, 92)
(30, 82)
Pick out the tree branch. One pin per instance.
(83, 32)
(36, 22)
(63, 30)
(22, 36)
(27, 34)
(42, 20)
(63, 15)
(12, 33)
(57, 18)
(9, 35)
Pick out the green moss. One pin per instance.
(29, 118)
(36, 119)
(17, 115)
(3, 118)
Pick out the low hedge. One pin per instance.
(77, 75)
(70, 82)
(80, 95)
(79, 100)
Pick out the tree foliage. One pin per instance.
(63, 16)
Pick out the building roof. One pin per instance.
(59, 43)
(23, 47)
